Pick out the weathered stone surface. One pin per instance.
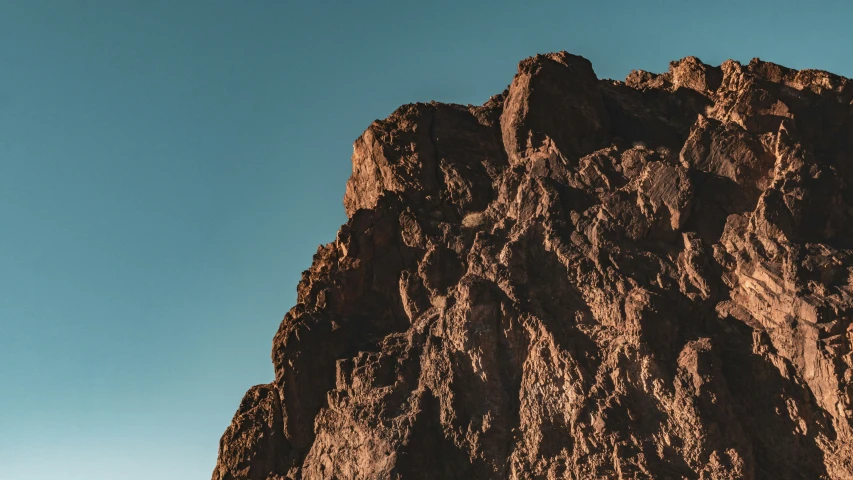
(254, 446)
(581, 278)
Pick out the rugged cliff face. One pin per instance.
(581, 278)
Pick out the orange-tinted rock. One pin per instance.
(579, 279)
(254, 446)
(553, 110)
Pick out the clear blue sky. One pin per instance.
(168, 168)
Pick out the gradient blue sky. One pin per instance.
(168, 168)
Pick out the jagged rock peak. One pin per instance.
(581, 278)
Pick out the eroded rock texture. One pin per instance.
(581, 278)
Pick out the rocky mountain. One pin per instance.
(582, 278)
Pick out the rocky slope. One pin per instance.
(581, 278)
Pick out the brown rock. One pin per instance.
(579, 279)
(553, 109)
(254, 446)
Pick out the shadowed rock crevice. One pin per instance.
(581, 278)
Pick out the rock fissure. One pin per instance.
(581, 278)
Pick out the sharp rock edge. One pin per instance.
(581, 278)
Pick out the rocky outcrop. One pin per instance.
(581, 278)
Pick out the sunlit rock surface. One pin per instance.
(581, 278)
